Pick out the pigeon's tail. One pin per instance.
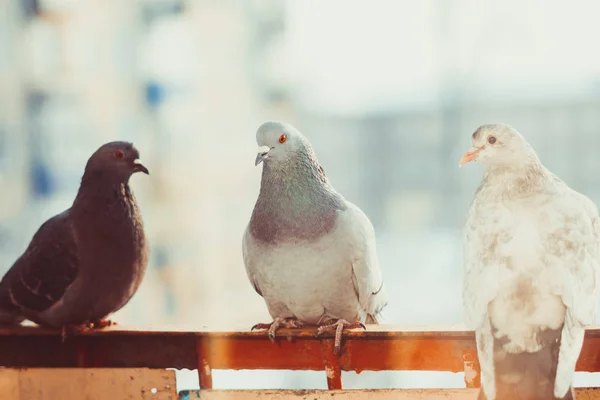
(527, 376)
(8, 318)
(10, 314)
(571, 342)
(375, 319)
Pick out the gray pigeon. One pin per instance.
(308, 252)
(532, 265)
(87, 262)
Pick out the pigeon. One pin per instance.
(87, 262)
(307, 251)
(531, 253)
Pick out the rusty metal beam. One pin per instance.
(380, 348)
(357, 394)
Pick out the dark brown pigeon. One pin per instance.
(87, 262)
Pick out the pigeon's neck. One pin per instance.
(296, 202)
(109, 232)
(513, 181)
(108, 195)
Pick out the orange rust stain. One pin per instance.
(403, 355)
(471, 368)
(204, 367)
(589, 358)
(332, 365)
(262, 354)
(356, 354)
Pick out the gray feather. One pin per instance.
(295, 201)
(309, 252)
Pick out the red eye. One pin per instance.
(282, 139)
(119, 154)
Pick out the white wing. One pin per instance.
(367, 278)
(480, 286)
(573, 248)
(581, 246)
(480, 283)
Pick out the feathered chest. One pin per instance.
(270, 224)
(111, 222)
(520, 234)
(297, 209)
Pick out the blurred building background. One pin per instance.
(388, 92)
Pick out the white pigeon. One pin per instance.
(308, 252)
(531, 247)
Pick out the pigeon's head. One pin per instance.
(118, 160)
(278, 141)
(497, 145)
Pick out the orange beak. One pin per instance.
(469, 156)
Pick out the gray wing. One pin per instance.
(248, 262)
(40, 277)
(367, 277)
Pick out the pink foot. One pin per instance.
(337, 328)
(290, 323)
(102, 323)
(71, 329)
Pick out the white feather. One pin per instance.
(532, 259)
(333, 277)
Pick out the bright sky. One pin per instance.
(352, 53)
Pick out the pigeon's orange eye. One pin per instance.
(282, 139)
(492, 140)
(119, 154)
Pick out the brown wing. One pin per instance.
(40, 277)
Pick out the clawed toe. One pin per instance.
(71, 329)
(103, 323)
(337, 328)
(271, 328)
(290, 323)
(333, 327)
(325, 329)
(260, 326)
(357, 325)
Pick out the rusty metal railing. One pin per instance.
(379, 348)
